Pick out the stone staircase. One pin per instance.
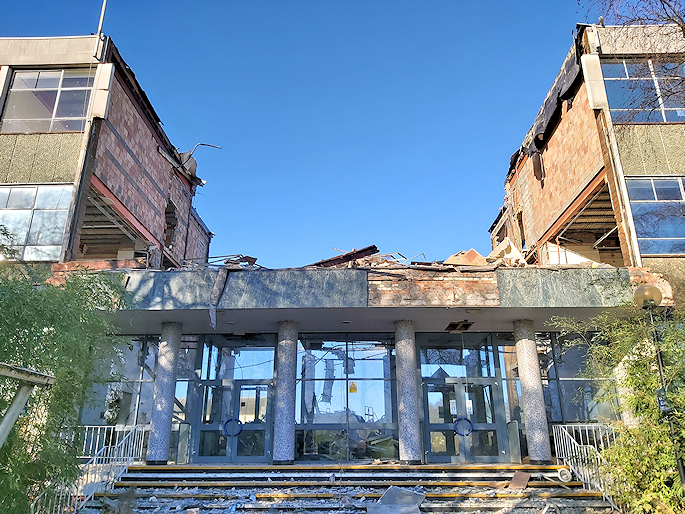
(338, 488)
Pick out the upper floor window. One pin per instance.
(658, 206)
(35, 218)
(645, 91)
(47, 101)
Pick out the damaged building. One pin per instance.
(599, 176)
(86, 170)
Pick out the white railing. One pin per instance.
(580, 448)
(97, 437)
(98, 474)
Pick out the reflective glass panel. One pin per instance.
(614, 70)
(253, 403)
(667, 189)
(181, 403)
(585, 400)
(41, 253)
(250, 443)
(17, 224)
(368, 360)
(444, 442)
(661, 246)
(47, 227)
(484, 443)
(632, 94)
(77, 78)
(442, 403)
(53, 197)
(370, 401)
(640, 189)
(21, 198)
(28, 105)
(72, 104)
(212, 443)
(327, 445)
(659, 219)
(4, 195)
(479, 403)
(512, 401)
(373, 444)
(325, 401)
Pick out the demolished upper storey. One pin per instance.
(86, 170)
(600, 174)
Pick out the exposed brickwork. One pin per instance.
(198, 239)
(639, 276)
(413, 288)
(572, 158)
(129, 164)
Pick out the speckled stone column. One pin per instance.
(408, 386)
(532, 397)
(286, 383)
(164, 393)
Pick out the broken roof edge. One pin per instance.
(112, 54)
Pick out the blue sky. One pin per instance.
(343, 123)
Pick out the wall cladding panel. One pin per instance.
(39, 158)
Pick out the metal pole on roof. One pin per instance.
(99, 33)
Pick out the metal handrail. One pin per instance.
(580, 447)
(98, 474)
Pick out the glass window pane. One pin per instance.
(253, 403)
(669, 69)
(649, 115)
(250, 443)
(212, 443)
(442, 403)
(584, 400)
(42, 253)
(632, 94)
(17, 224)
(328, 445)
(71, 125)
(48, 79)
(676, 115)
(659, 220)
(72, 104)
(47, 227)
(24, 126)
(21, 198)
(329, 362)
(484, 443)
(637, 69)
(373, 444)
(479, 403)
(4, 195)
(77, 78)
(25, 80)
(444, 442)
(661, 246)
(370, 401)
(29, 105)
(672, 93)
(571, 361)
(612, 70)
(368, 360)
(640, 189)
(667, 189)
(181, 403)
(52, 197)
(325, 401)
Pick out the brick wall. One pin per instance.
(198, 239)
(415, 288)
(129, 164)
(572, 158)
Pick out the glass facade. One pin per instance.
(346, 395)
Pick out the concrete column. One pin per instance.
(164, 393)
(12, 414)
(286, 383)
(532, 397)
(408, 392)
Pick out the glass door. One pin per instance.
(235, 391)
(465, 421)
